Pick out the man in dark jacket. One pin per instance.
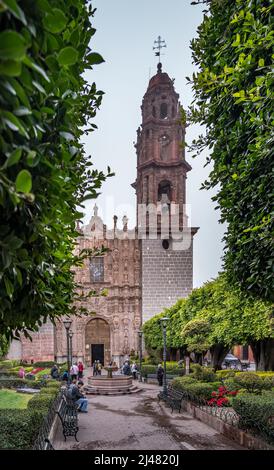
(160, 374)
(78, 397)
(126, 369)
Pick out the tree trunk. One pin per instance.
(198, 358)
(218, 353)
(263, 352)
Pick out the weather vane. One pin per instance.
(160, 43)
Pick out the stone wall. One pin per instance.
(42, 346)
(166, 276)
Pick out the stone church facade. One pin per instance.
(145, 269)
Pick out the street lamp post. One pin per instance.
(140, 333)
(70, 346)
(164, 321)
(67, 324)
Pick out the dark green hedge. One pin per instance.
(13, 382)
(256, 413)
(195, 389)
(151, 369)
(19, 429)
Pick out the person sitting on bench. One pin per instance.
(78, 397)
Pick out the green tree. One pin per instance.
(216, 317)
(233, 91)
(45, 176)
(4, 346)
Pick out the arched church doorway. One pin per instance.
(97, 340)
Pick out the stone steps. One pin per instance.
(117, 385)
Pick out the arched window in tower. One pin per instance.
(173, 111)
(164, 191)
(163, 111)
(153, 111)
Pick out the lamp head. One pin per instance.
(140, 333)
(164, 321)
(67, 323)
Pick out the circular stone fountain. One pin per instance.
(110, 384)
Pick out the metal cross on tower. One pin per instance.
(160, 43)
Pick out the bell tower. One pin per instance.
(167, 267)
(161, 164)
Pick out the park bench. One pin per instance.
(173, 398)
(68, 415)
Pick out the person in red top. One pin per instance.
(80, 369)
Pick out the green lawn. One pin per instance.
(10, 399)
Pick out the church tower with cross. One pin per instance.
(143, 270)
(166, 264)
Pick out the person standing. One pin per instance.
(21, 373)
(74, 371)
(99, 367)
(94, 368)
(126, 368)
(134, 370)
(160, 374)
(80, 370)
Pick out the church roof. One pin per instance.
(161, 78)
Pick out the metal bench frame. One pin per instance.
(173, 398)
(69, 418)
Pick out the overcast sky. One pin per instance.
(126, 30)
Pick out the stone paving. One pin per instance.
(140, 422)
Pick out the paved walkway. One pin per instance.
(140, 422)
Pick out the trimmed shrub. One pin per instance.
(225, 374)
(43, 364)
(15, 382)
(250, 381)
(42, 401)
(180, 382)
(148, 369)
(202, 390)
(19, 430)
(151, 369)
(8, 364)
(195, 389)
(256, 413)
(8, 375)
(231, 385)
(52, 384)
(204, 374)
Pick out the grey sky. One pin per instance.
(126, 30)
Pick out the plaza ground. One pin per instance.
(140, 422)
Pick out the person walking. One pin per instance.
(80, 369)
(74, 371)
(160, 374)
(134, 370)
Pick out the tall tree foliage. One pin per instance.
(46, 106)
(233, 91)
(216, 317)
